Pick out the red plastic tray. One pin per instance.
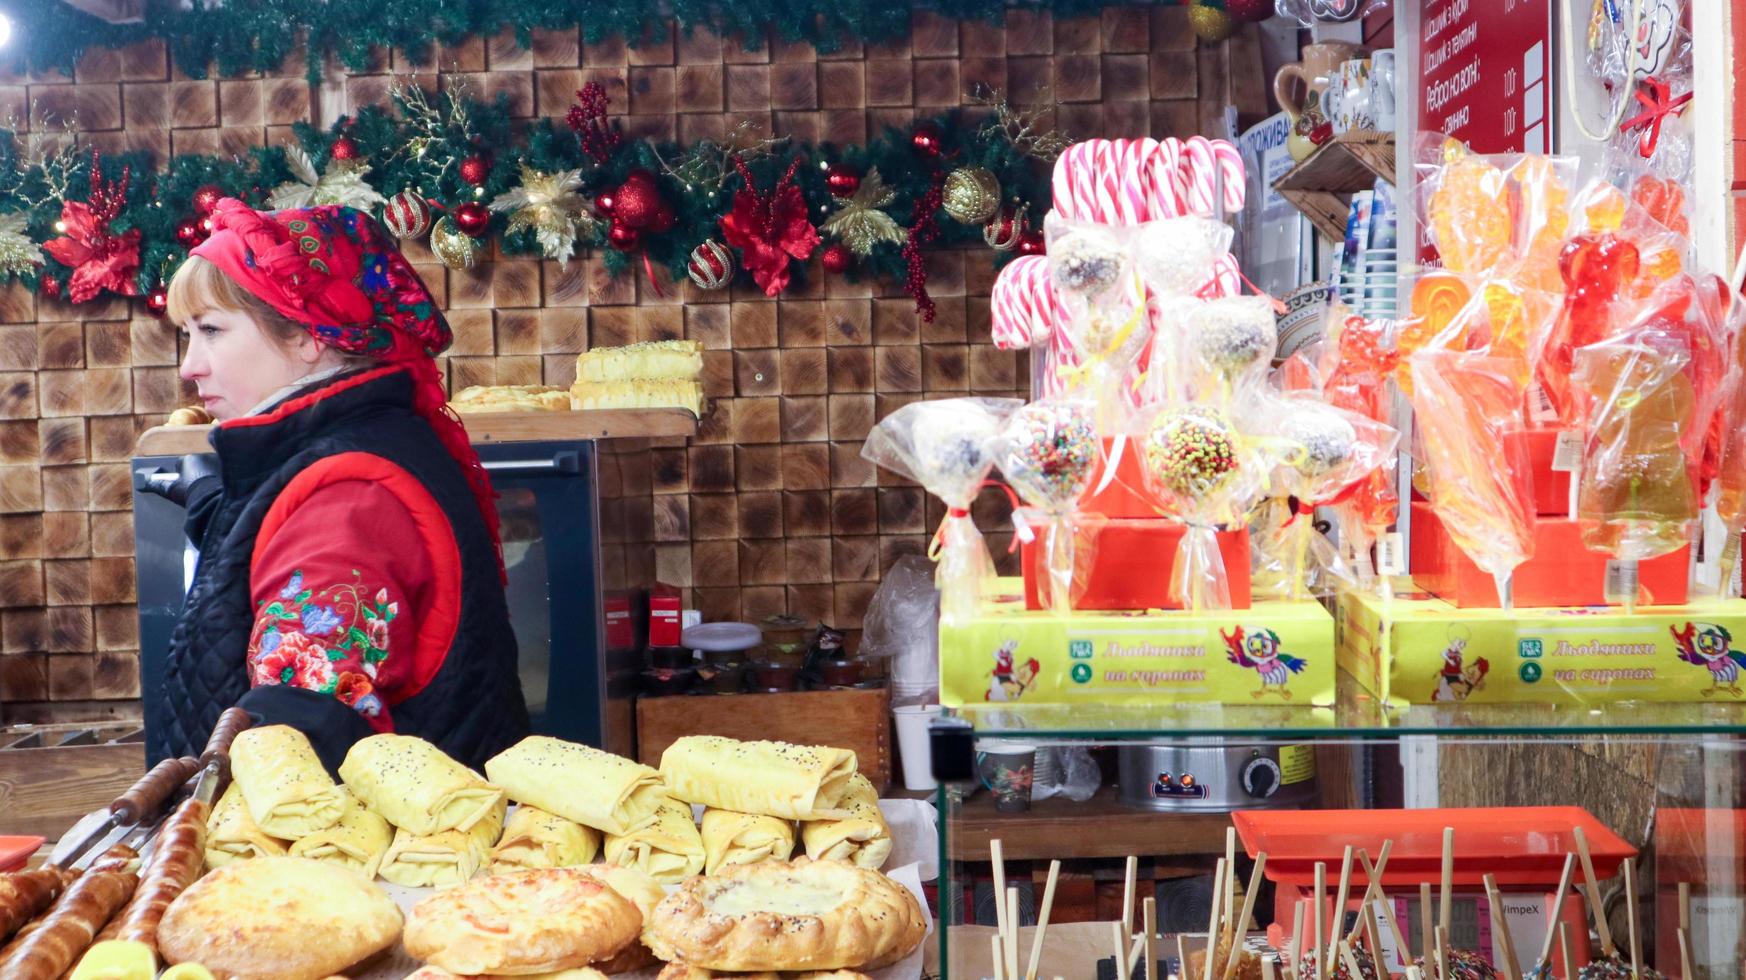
(1519, 845)
(14, 851)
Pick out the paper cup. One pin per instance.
(912, 744)
(1008, 769)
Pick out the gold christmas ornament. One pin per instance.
(456, 250)
(548, 204)
(859, 223)
(971, 195)
(1003, 233)
(1210, 23)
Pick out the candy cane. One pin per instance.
(1201, 167)
(1023, 306)
(1232, 172)
(1134, 177)
(1063, 183)
(1165, 193)
(1226, 279)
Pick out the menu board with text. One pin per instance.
(1486, 73)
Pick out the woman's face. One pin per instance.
(235, 365)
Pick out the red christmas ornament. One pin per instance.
(926, 139)
(624, 238)
(837, 259)
(188, 233)
(50, 286)
(472, 218)
(1031, 243)
(475, 170)
(842, 180)
(606, 202)
(711, 266)
(344, 148)
(1249, 11)
(157, 302)
(638, 201)
(206, 198)
(665, 219)
(206, 227)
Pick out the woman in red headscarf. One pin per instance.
(350, 578)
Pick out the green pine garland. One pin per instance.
(456, 127)
(257, 35)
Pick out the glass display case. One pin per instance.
(1655, 788)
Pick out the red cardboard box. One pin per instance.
(1126, 494)
(1562, 572)
(664, 617)
(1130, 564)
(1551, 487)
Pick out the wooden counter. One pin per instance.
(1101, 827)
(484, 427)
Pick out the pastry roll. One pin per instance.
(594, 788)
(359, 841)
(447, 857)
(744, 838)
(861, 838)
(795, 782)
(416, 787)
(233, 835)
(287, 791)
(668, 850)
(534, 838)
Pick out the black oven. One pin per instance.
(550, 503)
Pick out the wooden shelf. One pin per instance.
(1323, 184)
(484, 427)
(1101, 827)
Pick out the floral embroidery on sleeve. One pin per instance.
(334, 641)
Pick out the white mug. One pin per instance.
(1354, 103)
(1382, 89)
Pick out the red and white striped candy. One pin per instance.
(1023, 306)
(1232, 173)
(1166, 194)
(1200, 163)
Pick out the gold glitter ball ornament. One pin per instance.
(1210, 23)
(971, 195)
(455, 249)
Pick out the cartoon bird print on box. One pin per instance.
(1710, 646)
(1456, 680)
(1259, 651)
(1010, 680)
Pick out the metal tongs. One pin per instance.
(136, 814)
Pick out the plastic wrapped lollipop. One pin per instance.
(1194, 467)
(1178, 255)
(1326, 453)
(1357, 364)
(1048, 452)
(1231, 341)
(1104, 327)
(1728, 449)
(1466, 404)
(947, 447)
(1597, 269)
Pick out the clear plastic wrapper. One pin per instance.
(1226, 344)
(1729, 451)
(1357, 363)
(1274, 530)
(1466, 405)
(1177, 256)
(1105, 324)
(1311, 12)
(947, 446)
(906, 596)
(1598, 270)
(1497, 215)
(1200, 470)
(1048, 451)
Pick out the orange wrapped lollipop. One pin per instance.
(1597, 269)
(1470, 212)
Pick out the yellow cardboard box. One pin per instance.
(1426, 651)
(1274, 652)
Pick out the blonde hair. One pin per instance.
(200, 287)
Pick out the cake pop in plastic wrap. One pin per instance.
(1048, 451)
(1178, 255)
(1230, 341)
(1325, 454)
(948, 447)
(1193, 462)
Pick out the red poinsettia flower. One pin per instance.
(99, 260)
(769, 231)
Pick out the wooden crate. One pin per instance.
(45, 790)
(859, 720)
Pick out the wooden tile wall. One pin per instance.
(770, 509)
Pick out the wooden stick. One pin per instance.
(1685, 906)
(1375, 876)
(1182, 954)
(1012, 931)
(1631, 920)
(1149, 917)
(1686, 971)
(1267, 971)
(1135, 951)
(994, 941)
(1000, 924)
(1564, 946)
(1293, 949)
(1131, 873)
(1557, 911)
(1121, 951)
(1413, 972)
(1446, 911)
(1340, 904)
(1442, 953)
(1350, 960)
(1594, 894)
(1043, 920)
(1427, 933)
(1373, 937)
(1212, 928)
(1230, 895)
(1373, 884)
(1501, 926)
(1321, 896)
(1248, 910)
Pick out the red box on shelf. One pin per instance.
(1128, 563)
(1126, 494)
(664, 616)
(1562, 572)
(1551, 487)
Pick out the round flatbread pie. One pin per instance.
(438, 973)
(525, 922)
(790, 916)
(685, 971)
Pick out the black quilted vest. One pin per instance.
(471, 709)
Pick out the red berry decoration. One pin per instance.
(927, 140)
(624, 238)
(472, 219)
(188, 233)
(157, 302)
(638, 201)
(50, 286)
(837, 259)
(206, 198)
(606, 202)
(206, 227)
(344, 148)
(475, 170)
(1031, 243)
(1249, 11)
(842, 180)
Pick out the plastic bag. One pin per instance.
(1068, 771)
(1310, 12)
(947, 447)
(906, 596)
(1598, 269)
(1048, 451)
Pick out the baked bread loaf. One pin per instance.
(416, 787)
(795, 782)
(669, 849)
(577, 782)
(780, 915)
(744, 838)
(650, 359)
(358, 842)
(190, 415)
(534, 838)
(233, 835)
(447, 857)
(640, 393)
(511, 398)
(861, 838)
(287, 791)
(526, 922)
(685, 971)
(438, 973)
(282, 917)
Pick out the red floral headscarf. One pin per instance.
(334, 270)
